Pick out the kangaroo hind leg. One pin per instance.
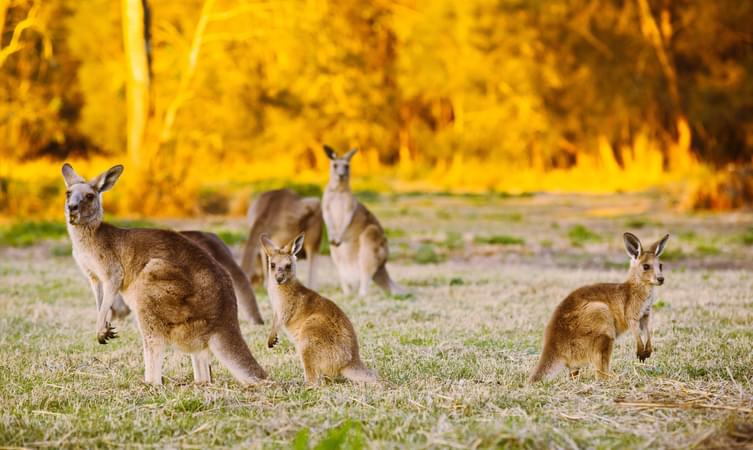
(202, 369)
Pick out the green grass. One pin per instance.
(453, 354)
(499, 239)
(747, 237)
(24, 234)
(673, 253)
(425, 254)
(453, 240)
(708, 249)
(232, 237)
(581, 234)
(638, 223)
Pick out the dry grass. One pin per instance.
(454, 356)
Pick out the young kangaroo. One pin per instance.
(282, 214)
(357, 241)
(584, 326)
(179, 293)
(321, 332)
(212, 244)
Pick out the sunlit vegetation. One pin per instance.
(236, 96)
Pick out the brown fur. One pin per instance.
(585, 324)
(244, 293)
(358, 244)
(282, 214)
(321, 332)
(181, 296)
(212, 244)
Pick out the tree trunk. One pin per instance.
(137, 61)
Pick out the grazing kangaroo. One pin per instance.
(282, 214)
(212, 244)
(584, 326)
(179, 293)
(357, 241)
(321, 332)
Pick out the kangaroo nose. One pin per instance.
(660, 280)
(72, 208)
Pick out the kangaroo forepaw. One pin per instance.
(272, 341)
(107, 334)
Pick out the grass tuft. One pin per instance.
(499, 239)
(425, 254)
(580, 235)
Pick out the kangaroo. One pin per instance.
(321, 332)
(282, 214)
(357, 241)
(179, 294)
(584, 326)
(212, 244)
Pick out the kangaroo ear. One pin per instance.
(70, 176)
(267, 244)
(350, 154)
(105, 182)
(297, 244)
(660, 244)
(632, 245)
(331, 153)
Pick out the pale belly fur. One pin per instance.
(346, 260)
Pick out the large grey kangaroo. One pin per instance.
(357, 241)
(180, 295)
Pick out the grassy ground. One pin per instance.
(485, 273)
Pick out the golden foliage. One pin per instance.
(471, 95)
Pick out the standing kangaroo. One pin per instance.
(212, 244)
(321, 332)
(179, 293)
(584, 326)
(282, 214)
(357, 241)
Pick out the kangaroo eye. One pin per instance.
(661, 266)
(646, 267)
(90, 197)
(272, 265)
(67, 194)
(287, 266)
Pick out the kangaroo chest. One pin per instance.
(647, 303)
(277, 303)
(339, 207)
(87, 258)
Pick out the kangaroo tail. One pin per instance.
(382, 278)
(231, 350)
(547, 367)
(359, 373)
(244, 294)
(251, 250)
